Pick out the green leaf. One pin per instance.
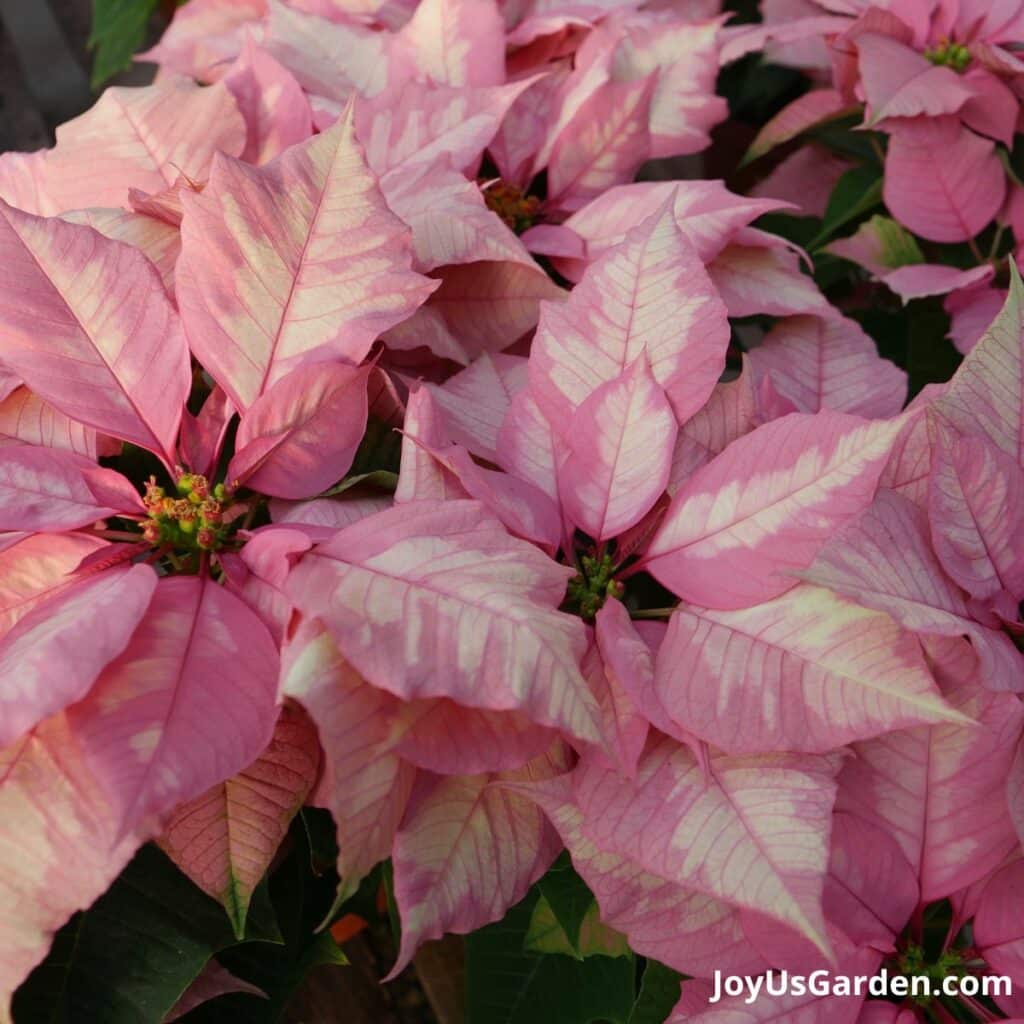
(546, 934)
(889, 241)
(899, 247)
(118, 32)
(508, 984)
(380, 448)
(840, 137)
(659, 993)
(128, 958)
(300, 899)
(568, 896)
(856, 192)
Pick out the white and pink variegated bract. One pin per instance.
(819, 734)
(408, 603)
(942, 81)
(138, 683)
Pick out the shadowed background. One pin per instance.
(45, 65)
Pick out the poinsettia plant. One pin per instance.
(505, 470)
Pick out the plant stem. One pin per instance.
(652, 613)
(994, 250)
(119, 535)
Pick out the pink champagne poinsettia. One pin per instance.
(583, 92)
(601, 463)
(941, 80)
(951, 564)
(740, 633)
(140, 662)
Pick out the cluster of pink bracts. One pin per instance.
(817, 737)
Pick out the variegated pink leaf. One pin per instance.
(648, 297)
(366, 785)
(603, 145)
(257, 575)
(435, 469)
(976, 506)
(526, 445)
(21, 181)
(264, 292)
(689, 930)
(202, 435)
(300, 436)
(157, 240)
(332, 59)
(728, 414)
(875, 1011)
(522, 131)
(805, 179)
(732, 836)
(630, 649)
(164, 205)
(450, 220)
(820, 363)
(190, 702)
(626, 664)
(940, 791)
(271, 101)
(422, 476)
(55, 653)
(441, 736)
(26, 419)
(139, 138)
(467, 850)
(970, 312)
(986, 395)
(36, 568)
(795, 118)
(872, 890)
(621, 441)
(481, 307)
(683, 51)
(807, 671)
(998, 934)
(941, 180)
(900, 82)
(524, 509)
(487, 602)
(225, 839)
(1015, 791)
(705, 211)
(9, 383)
(883, 560)
(205, 37)
(89, 328)
(67, 848)
(475, 400)
(50, 490)
(742, 525)
(910, 461)
(454, 42)
(329, 514)
(920, 280)
(755, 279)
(414, 125)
